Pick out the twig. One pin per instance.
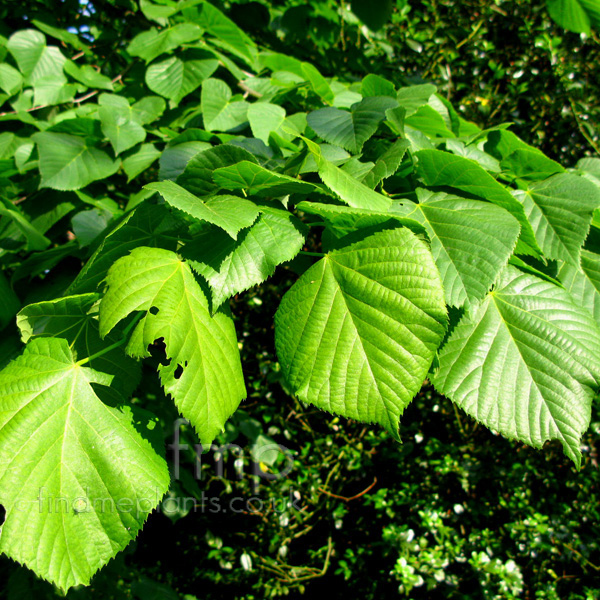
(346, 499)
(249, 91)
(471, 35)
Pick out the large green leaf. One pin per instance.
(176, 77)
(140, 160)
(258, 181)
(204, 374)
(471, 241)
(345, 220)
(218, 112)
(11, 81)
(560, 211)
(387, 163)
(227, 34)
(233, 266)
(197, 177)
(575, 15)
(78, 478)
(350, 190)
(439, 168)
(227, 212)
(583, 282)
(87, 75)
(264, 118)
(67, 162)
(174, 160)
(350, 129)
(525, 362)
(118, 125)
(74, 318)
(36, 61)
(519, 158)
(356, 334)
(152, 43)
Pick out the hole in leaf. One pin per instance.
(178, 372)
(153, 310)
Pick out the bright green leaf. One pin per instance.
(56, 481)
(231, 267)
(68, 163)
(227, 212)
(525, 363)
(471, 241)
(204, 347)
(356, 334)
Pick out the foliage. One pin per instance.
(496, 60)
(136, 204)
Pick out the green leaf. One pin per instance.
(356, 334)
(34, 238)
(346, 220)
(62, 35)
(175, 78)
(351, 191)
(231, 267)
(374, 85)
(11, 81)
(560, 211)
(204, 348)
(197, 177)
(174, 160)
(525, 363)
(350, 129)
(485, 160)
(387, 163)
(35, 60)
(152, 43)
(230, 213)
(521, 159)
(413, 97)
(148, 109)
(68, 163)
(140, 161)
(228, 35)
(87, 75)
(118, 124)
(147, 225)
(427, 120)
(583, 283)
(74, 318)
(317, 82)
(471, 241)
(258, 181)
(77, 479)
(219, 114)
(264, 118)
(439, 168)
(575, 15)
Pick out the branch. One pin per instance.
(346, 499)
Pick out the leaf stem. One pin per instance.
(116, 344)
(319, 254)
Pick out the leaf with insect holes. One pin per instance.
(204, 374)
